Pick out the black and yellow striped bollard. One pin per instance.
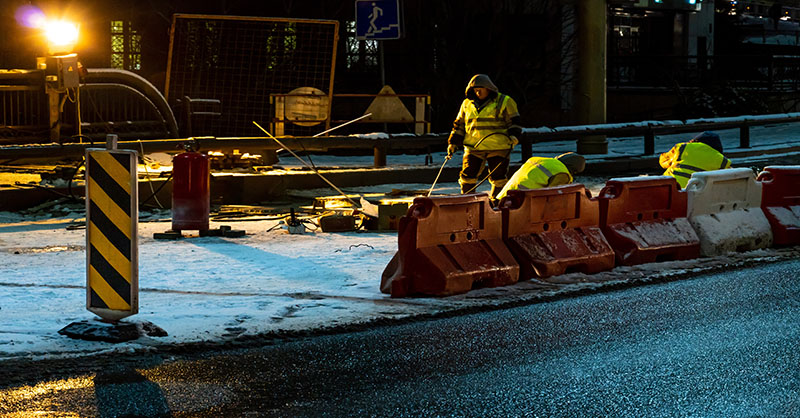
(112, 212)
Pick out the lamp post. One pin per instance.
(60, 68)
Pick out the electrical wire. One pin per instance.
(158, 190)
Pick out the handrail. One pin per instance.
(648, 129)
(422, 143)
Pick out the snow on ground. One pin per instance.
(216, 289)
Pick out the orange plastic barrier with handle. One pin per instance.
(780, 200)
(449, 245)
(555, 230)
(644, 220)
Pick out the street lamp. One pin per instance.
(60, 68)
(61, 36)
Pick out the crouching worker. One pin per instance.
(702, 153)
(487, 126)
(539, 172)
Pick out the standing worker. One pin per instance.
(539, 172)
(487, 126)
(702, 153)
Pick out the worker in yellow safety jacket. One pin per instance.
(702, 153)
(487, 126)
(539, 172)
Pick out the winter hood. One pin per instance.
(480, 80)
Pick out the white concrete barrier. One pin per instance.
(724, 209)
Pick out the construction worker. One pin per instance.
(540, 172)
(487, 126)
(701, 153)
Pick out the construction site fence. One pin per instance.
(411, 110)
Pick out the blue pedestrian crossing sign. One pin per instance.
(378, 19)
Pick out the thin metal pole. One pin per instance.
(446, 158)
(346, 123)
(352, 202)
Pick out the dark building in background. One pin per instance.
(663, 56)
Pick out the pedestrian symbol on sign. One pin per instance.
(378, 19)
(376, 13)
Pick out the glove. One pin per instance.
(514, 141)
(451, 149)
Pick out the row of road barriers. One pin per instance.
(452, 244)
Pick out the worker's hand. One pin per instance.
(451, 149)
(514, 141)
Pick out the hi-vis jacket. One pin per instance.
(486, 128)
(536, 173)
(689, 157)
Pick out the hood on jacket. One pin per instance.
(709, 138)
(575, 163)
(480, 80)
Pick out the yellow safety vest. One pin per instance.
(536, 173)
(487, 128)
(690, 157)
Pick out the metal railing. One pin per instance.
(425, 143)
(23, 106)
(649, 129)
(110, 101)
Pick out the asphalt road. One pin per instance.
(722, 345)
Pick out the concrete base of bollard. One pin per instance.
(112, 332)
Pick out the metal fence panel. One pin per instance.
(242, 60)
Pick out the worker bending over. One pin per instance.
(701, 153)
(487, 126)
(539, 172)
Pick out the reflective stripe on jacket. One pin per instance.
(690, 157)
(536, 173)
(486, 128)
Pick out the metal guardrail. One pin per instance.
(649, 129)
(417, 144)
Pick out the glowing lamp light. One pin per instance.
(61, 36)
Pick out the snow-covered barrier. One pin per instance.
(780, 201)
(724, 209)
(555, 230)
(448, 245)
(644, 220)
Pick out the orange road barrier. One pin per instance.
(555, 230)
(449, 245)
(644, 220)
(780, 200)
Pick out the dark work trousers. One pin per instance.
(474, 163)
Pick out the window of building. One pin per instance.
(360, 54)
(126, 46)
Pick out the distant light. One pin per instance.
(659, 1)
(692, 2)
(30, 16)
(61, 36)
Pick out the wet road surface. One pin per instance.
(713, 345)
